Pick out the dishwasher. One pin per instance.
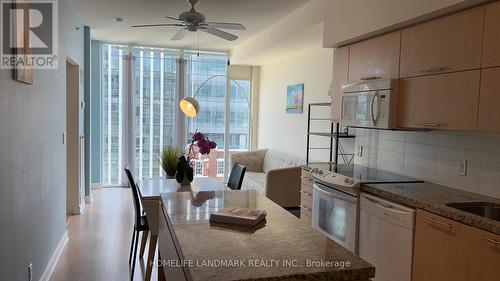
(386, 232)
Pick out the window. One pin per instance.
(155, 107)
(198, 167)
(220, 167)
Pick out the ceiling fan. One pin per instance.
(192, 21)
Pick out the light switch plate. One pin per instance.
(462, 168)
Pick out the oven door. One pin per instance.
(335, 215)
(369, 109)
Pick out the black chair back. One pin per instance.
(135, 197)
(236, 177)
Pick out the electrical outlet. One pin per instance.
(30, 272)
(462, 167)
(360, 151)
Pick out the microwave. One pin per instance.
(370, 104)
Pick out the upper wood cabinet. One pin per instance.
(484, 255)
(489, 100)
(375, 58)
(444, 101)
(340, 72)
(491, 44)
(447, 44)
(440, 249)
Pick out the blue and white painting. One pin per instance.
(295, 99)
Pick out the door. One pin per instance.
(447, 44)
(75, 156)
(335, 215)
(491, 43)
(444, 101)
(376, 58)
(484, 255)
(440, 251)
(340, 73)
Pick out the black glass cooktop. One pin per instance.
(366, 175)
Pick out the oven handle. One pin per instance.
(336, 194)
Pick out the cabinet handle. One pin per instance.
(306, 193)
(307, 179)
(303, 207)
(370, 78)
(491, 241)
(449, 226)
(431, 124)
(433, 69)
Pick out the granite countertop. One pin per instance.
(284, 249)
(433, 198)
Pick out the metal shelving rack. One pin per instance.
(335, 134)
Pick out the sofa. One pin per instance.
(272, 173)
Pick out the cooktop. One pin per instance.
(365, 175)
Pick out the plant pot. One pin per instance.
(185, 176)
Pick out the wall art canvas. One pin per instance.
(295, 99)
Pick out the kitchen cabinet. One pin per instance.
(340, 72)
(484, 255)
(489, 100)
(440, 251)
(306, 194)
(447, 44)
(444, 101)
(375, 58)
(491, 43)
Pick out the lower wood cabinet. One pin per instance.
(443, 101)
(484, 255)
(446, 250)
(306, 195)
(440, 251)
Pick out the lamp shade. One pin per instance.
(189, 106)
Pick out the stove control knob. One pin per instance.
(346, 180)
(314, 171)
(320, 172)
(351, 182)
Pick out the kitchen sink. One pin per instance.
(483, 209)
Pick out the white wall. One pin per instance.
(277, 129)
(33, 159)
(433, 156)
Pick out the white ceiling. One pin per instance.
(256, 15)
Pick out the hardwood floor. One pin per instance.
(99, 241)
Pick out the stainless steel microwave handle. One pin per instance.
(336, 195)
(372, 103)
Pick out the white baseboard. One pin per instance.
(55, 257)
(96, 185)
(88, 199)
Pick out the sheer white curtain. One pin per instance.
(128, 116)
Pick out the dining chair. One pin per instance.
(236, 176)
(140, 224)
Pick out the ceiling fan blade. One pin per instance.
(180, 34)
(219, 33)
(227, 25)
(172, 18)
(156, 25)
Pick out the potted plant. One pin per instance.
(185, 173)
(169, 158)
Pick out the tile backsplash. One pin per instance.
(434, 156)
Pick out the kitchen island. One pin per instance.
(286, 248)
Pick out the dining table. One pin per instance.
(150, 190)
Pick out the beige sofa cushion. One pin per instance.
(253, 160)
(254, 181)
(276, 159)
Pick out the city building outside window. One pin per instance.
(220, 167)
